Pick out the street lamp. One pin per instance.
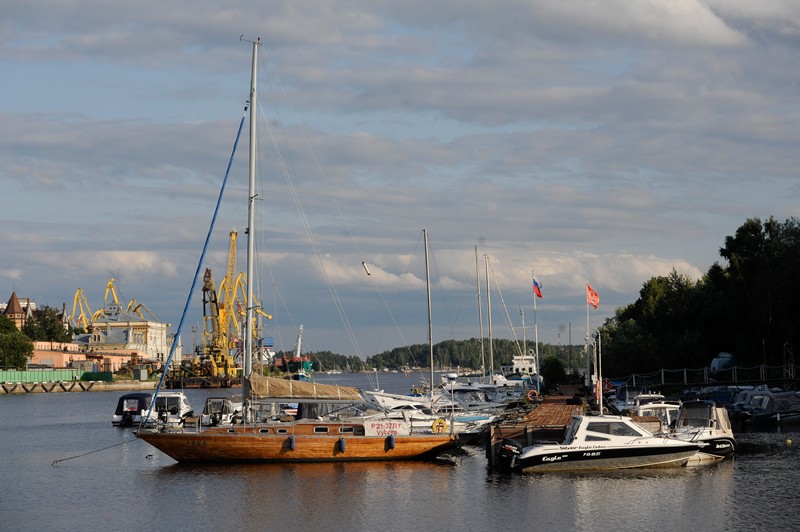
(597, 347)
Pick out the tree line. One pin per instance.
(747, 306)
(16, 346)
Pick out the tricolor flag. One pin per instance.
(537, 287)
(591, 296)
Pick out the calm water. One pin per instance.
(128, 485)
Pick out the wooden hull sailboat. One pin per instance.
(343, 442)
(318, 433)
(310, 437)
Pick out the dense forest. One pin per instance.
(448, 354)
(747, 305)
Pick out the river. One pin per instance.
(106, 479)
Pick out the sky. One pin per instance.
(588, 141)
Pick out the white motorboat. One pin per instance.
(665, 411)
(705, 422)
(599, 443)
(220, 411)
(170, 409)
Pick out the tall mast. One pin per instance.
(489, 316)
(248, 328)
(480, 312)
(430, 319)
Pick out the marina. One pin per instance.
(104, 465)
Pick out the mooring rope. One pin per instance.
(90, 452)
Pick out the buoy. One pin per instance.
(341, 444)
(291, 443)
(390, 441)
(788, 441)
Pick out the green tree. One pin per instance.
(46, 326)
(6, 325)
(15, 350)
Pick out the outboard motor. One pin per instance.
(507, 453)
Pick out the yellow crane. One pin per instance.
(135, 307)
(79, 303)
(107, 307)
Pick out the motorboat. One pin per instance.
(131, 408)
(666, 412)
(625, 398)
(599, 443)
(170, 408)
(220, 411)
(705, 422)
(772, 408)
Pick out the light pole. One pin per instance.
(599, 355)
(597, 348)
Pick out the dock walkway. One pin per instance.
(548, 421)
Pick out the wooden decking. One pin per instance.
(548, 421)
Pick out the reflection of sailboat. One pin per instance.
(319, 432)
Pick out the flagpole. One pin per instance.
(586, 343)
(535, 334)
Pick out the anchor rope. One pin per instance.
(90, 452)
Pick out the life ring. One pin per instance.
(607, 386)
(439, 426)
(533, 395)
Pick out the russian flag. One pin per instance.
(537, 287)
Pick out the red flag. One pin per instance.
(591, 296)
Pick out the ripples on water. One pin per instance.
(131, 486)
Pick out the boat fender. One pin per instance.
(390, 441)
(533, 395)
(439, 426)
(341, 444)
(291, 443)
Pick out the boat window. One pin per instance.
(616, 428)
(592, 437)
(346, 429)
(323, 430)
(282, 431)
(263, 431)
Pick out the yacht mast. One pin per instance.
(430, 319)
(248, 328)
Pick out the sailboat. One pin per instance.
(320, 432)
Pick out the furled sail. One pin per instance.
(261, 387)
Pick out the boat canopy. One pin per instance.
(260, 387)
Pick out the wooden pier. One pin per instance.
(548, 421)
